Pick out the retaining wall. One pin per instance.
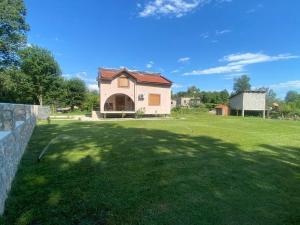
(17, 123)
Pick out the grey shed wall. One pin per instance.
(252, 101)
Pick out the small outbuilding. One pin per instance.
(222, 110)
(248, 101)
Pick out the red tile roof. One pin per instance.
(140, 77)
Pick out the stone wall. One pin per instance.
(16, 126)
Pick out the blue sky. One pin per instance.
(192, 42)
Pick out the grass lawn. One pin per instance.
(199, 170)
(72, 113)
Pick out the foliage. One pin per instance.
(193, 92)
(76, 92)
(92, 101)
(292, 96)
(12, 31)
(57, 93)
(140, 112)
(15, 86)
(184, 111)
(214, 97)
(270, 97)
(40, 65)
(242, 84)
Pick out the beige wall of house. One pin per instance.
(146, 90)
(109, 88)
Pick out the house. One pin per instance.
(195, 102)
(187, 102)
(130, 92)
(173, 104)
(248, 101)
(183, 101)
(222, 110)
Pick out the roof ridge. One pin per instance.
(133, 71)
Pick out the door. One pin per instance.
(120, 102)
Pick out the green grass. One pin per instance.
(72, 113)
(199, 170)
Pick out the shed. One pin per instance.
(248, 101)
(222, 110)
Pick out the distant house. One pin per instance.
(183, 101)
(129, 92)
(248, 101)
(187, 102)
(173, 104)
(222, 110)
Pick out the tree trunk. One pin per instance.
(40, 97)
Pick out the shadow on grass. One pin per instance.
(112, 174)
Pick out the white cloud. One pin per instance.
(150, 64)
(294, 84)
(174, 71)
(204, 35)
(255, 9)
(177, 8)
(183, 59)
(221, 32)
(253, 58)
(81, 75)
(238, 62)
(217, 70)
(93, 87)
(232, 76)
(175, 86)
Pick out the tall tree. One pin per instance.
(15, 87)
(242, 84)
(57, 93)
(224, 96)
(270, 97)
(40, 65)
(193, 92)
(292, 96)
(76, 92)
(12, 31)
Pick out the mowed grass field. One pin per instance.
(194, 169)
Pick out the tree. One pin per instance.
(15, 87)
(12, 31)
(292, 96)
(92, 100)
(193, 92)
(76, 92)
(39, 64)
(224, 96)
(270, 97)
(57, 93)
(241, 84)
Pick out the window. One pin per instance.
(123, 81)
(141, 97)
(154, 99)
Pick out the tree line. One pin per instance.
(30, 74)
(276, 107)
